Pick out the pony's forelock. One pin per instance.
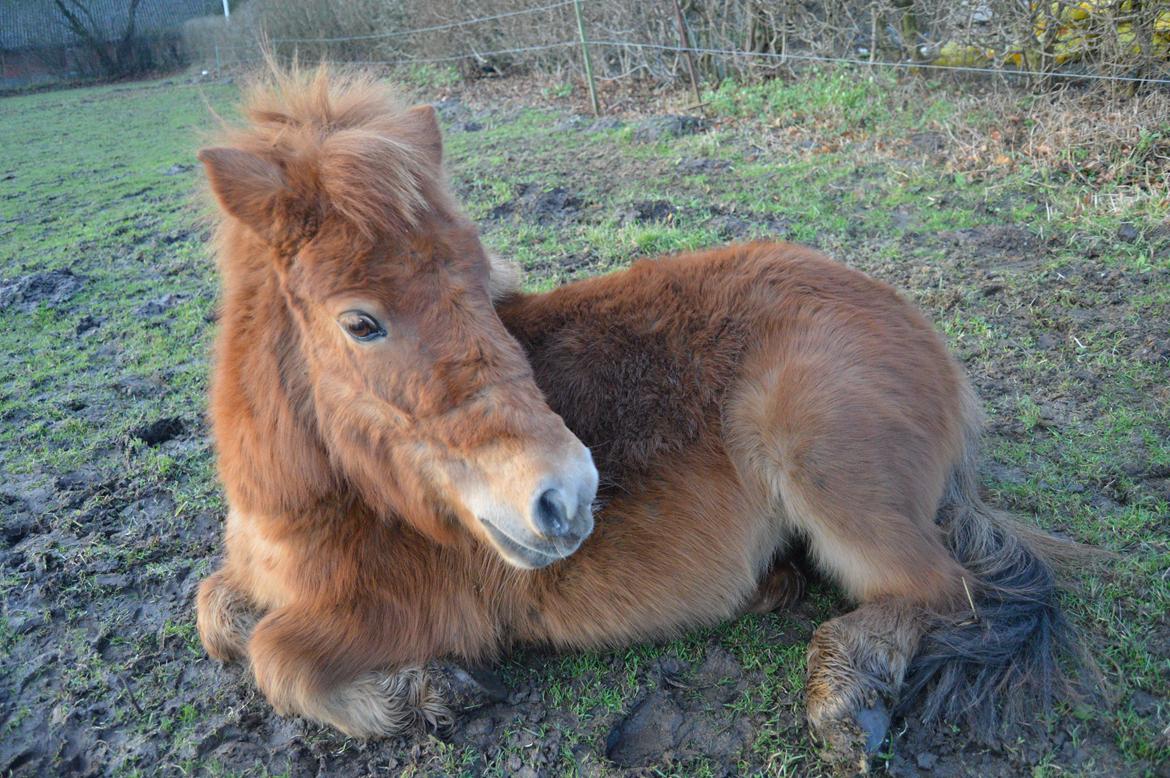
(344, 140)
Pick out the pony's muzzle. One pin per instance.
(562, 508)
(556, 515)
(551, 515)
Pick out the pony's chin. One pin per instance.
(528, 554)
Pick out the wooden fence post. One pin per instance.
(685, 39)
(585, 57)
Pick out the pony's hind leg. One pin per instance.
(225, 617)
(856, 665)
(311, 665)
(858, 661)
(861, 479)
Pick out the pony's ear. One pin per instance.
(248, 187)
(420, 126)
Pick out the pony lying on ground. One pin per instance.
(409, 444)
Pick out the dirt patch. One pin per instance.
(1008, 246)
(53, 288)
(646, 211)
(534, 203)
(160, 430)
(657, 128)
(702, 165)
(684, 718)
(742, 224)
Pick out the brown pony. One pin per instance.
(408, 448)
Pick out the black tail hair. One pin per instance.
(999, 662)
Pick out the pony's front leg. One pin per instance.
(340, 671)
(225, 616)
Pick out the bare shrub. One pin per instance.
(735, 38)
(129, 52)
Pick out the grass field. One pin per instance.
(1051, 282)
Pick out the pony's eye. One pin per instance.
(361, 326)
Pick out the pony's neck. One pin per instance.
(271, 457)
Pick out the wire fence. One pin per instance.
(1048, 53)
(432, 28)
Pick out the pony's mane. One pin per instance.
(342, 138)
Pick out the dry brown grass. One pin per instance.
(1090, 137)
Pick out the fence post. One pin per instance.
(873, 35)
(217, 66)
(685, 40)
(585, 57)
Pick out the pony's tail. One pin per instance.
(999, 661)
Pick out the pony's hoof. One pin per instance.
(781, 587)
(848, 743)
(874, 724)
(225, 619)
(475, 685)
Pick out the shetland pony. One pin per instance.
(411, 447)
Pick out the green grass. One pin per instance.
(1067, 363)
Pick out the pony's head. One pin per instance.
(426, 405)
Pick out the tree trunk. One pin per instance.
(81, 22)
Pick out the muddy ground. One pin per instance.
(1056, 299)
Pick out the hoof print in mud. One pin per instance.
(652, 728)
(670, 726)
(687, 716)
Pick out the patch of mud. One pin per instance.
(702, 166)
(159, 305)
(943, 753)
(1014, 247)
(646, 211)
(457, 116)
(452, 110)
(606, 124)
(685, 717)
(734, 225)
(534, 203)
(657, 128)
(52, 287)
(572, 123)
(160, 430)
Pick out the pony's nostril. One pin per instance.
(551, 517)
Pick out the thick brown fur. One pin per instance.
(734, 401)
